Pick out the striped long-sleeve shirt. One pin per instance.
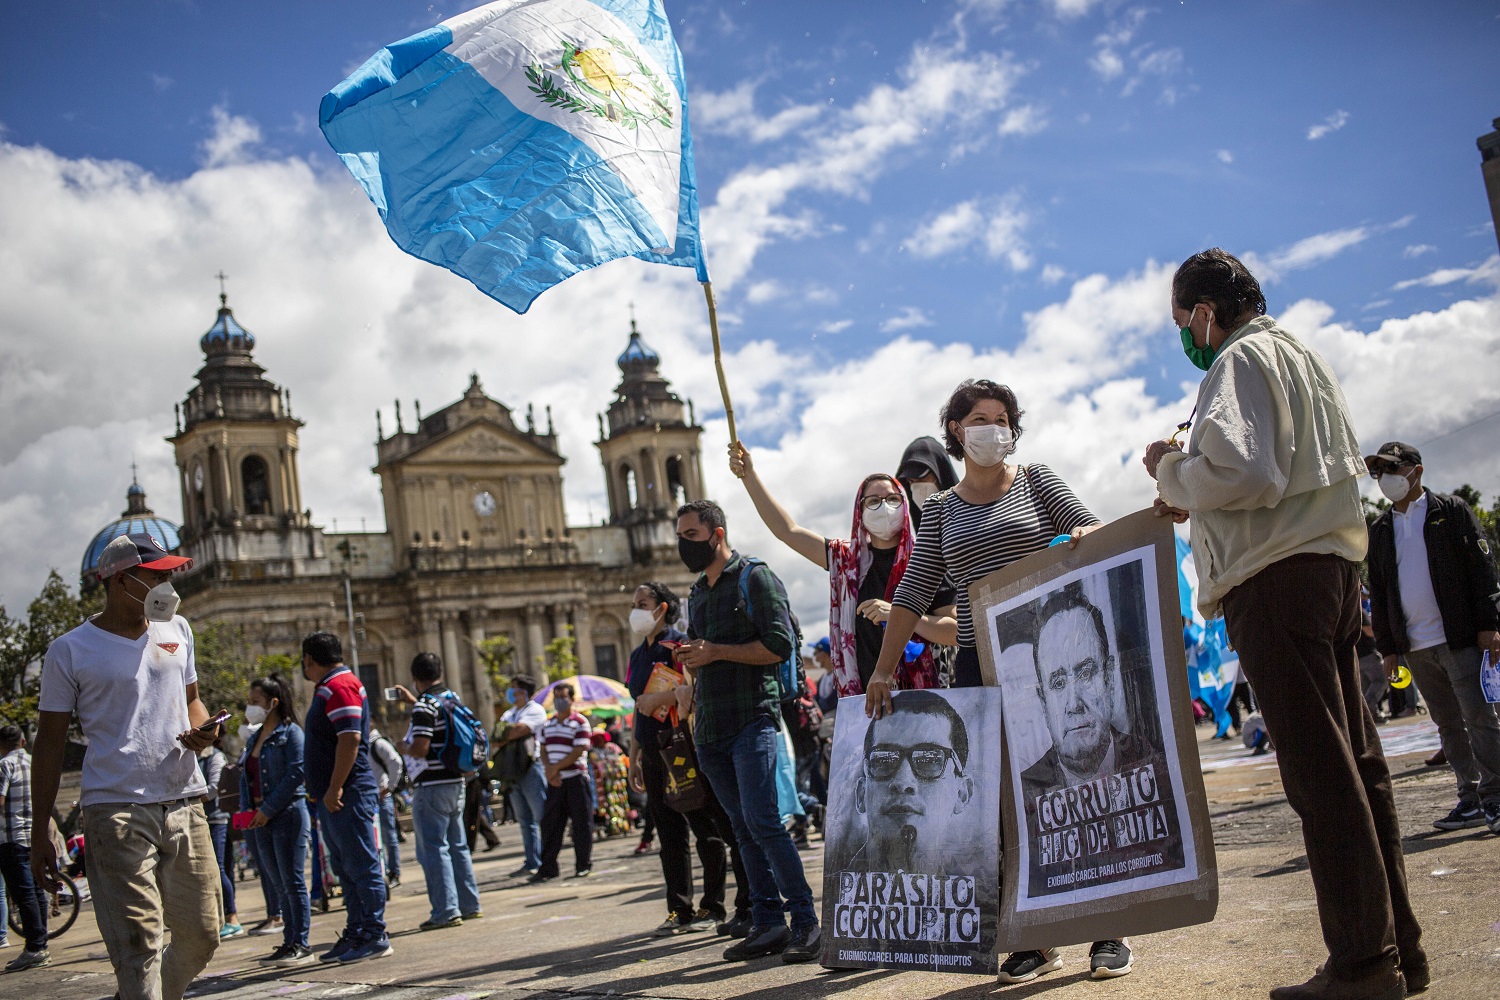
(967, 541)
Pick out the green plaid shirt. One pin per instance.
(732, 695)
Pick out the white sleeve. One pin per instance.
(190, 673)
(59, 689)
(534, 716)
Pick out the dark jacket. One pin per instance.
(1463, 576)
(280, 770)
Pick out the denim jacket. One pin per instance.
(280, 770)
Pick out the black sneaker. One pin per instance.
(440, 925)
(294, 954)
(539, 877)
(1024, 966)
(1491, 815)
(1109, 959)
(340, 947)
(761, 941)
(805, 944)
(736, 927)
(277, 954)
(1462, 817)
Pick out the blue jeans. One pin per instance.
(529, 799)
(281, 847)
(437, 818)
(388, 836)
(29, 899)
(350, 836)
(220, 834)
(273, 901)
(742, 772)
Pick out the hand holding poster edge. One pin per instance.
(1131, 911)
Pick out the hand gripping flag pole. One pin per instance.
(524, 141)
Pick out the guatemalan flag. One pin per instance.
(527, 140)
(1213, 668)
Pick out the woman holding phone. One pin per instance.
(271, 792)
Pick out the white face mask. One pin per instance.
(642, 622)
(884, 522)
(255, 715)
(1394, 485)
(987, 444)
(922, 492)
(160, 602)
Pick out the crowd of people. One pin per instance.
(1268, 477)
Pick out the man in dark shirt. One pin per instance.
(735, 648)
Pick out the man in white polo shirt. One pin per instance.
(129, 674)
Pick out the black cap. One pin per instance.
(1396, 453)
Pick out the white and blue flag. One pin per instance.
(1213, 667)
(527, 140)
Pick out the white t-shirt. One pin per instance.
(530, 714)
(131, 700)
(1424, 620)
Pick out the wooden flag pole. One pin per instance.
(713, 329)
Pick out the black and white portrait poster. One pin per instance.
(1104, 804)
(912, 857)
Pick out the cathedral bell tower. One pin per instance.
(648, 443)
(236, 449)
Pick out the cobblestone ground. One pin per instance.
(591, 938)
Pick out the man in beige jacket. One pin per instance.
(1270, 480)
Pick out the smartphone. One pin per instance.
(242, 820)
(392, 694)
(212, 724)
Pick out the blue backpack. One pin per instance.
(466, 747)
(790, 676)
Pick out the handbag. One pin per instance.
(512, 761)
(685, 790)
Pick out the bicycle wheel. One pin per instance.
(62, 910)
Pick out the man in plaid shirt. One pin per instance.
(15, 849)
(735, 649)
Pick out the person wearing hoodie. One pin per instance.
(925, 469)
(863, 573)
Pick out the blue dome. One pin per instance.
(226, 335)
(636, 352)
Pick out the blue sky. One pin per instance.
(897, 194)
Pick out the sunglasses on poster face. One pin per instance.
(928, 761)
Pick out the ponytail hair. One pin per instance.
(275, 686)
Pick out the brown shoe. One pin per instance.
(1438, 759)
(1384, 985)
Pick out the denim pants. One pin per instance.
(220, 834)
(273, 903)
(152, 869)
(388, 835)
(350, 836)
(437, 817)
(529, 799)
(741, 769)
(29, 899)
(282, 847)
(1467, 727)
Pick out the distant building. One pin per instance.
(476, 541)
(1489, 154)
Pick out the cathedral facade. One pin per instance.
(476, 544)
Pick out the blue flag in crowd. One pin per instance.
(1213, 668)
(527, 140)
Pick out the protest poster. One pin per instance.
(1103, 814)
(912, 834)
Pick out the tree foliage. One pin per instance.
(558, 659)
(23, 645)
(496, 653)
(225, 667)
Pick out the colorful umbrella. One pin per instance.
(597, 696)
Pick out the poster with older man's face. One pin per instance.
(1104, 814)
(912, 836)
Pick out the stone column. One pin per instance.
(484, 691)
(453, 667)
(535, 643)
(432, 637)
(583, 635)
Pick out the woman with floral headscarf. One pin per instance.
(863, 572)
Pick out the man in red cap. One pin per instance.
(129, 675)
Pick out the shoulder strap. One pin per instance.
(1042, 515)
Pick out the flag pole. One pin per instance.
(713, 329)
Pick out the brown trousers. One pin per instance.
(1294, 625)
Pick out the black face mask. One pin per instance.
(696, 556)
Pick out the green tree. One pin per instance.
(558, 659)
(23, 645)
(496, 653)
(225, 667)
(1489, 518)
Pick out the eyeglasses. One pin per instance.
(875, 503)
(928, 761)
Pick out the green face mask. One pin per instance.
(1201, 357)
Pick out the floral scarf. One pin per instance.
(848, 562)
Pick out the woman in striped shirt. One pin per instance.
(998, 513)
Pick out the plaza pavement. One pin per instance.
(591, 938)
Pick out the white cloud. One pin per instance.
(161, 83)
(908, 318)
(1417, 250)
(1332, 123)
(732, 112)
(1025, 120)
(1115, 57)
(1489, 272)
(763, 291)
(231, 141)
(1225, 156)
(994, 224)
(1069, 9)
(1316, 249)
(835, 325)
(1052, 274)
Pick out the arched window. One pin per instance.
(675, 488)
(628, 488)
(256, 479)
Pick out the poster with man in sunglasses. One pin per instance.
(912, 854)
